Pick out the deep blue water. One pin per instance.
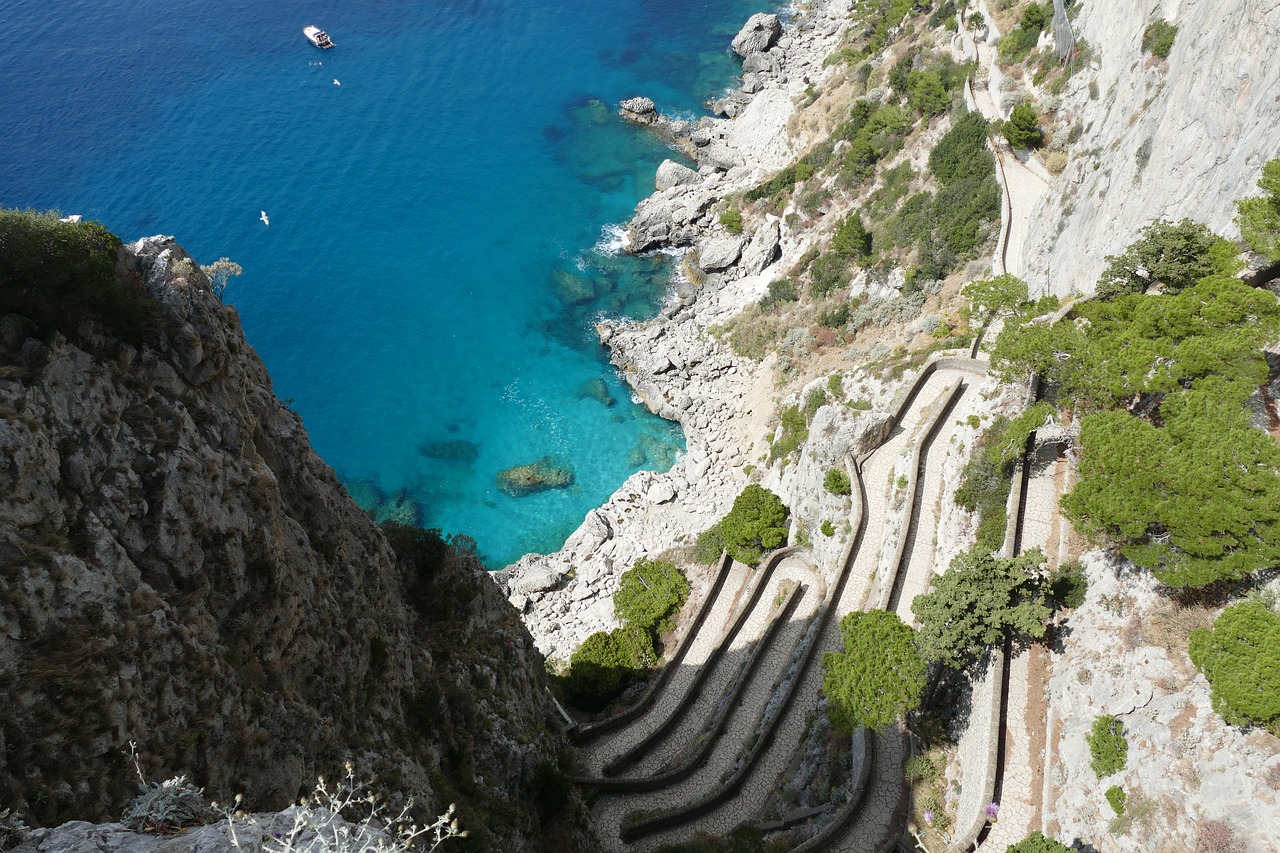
(425, 291)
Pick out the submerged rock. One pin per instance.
(456, 450)
(548, 472)
(596, 389)
(401, 509)
(572, 289)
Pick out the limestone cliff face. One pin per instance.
(178, 568)
(1180, 138)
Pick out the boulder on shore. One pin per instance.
(640, 110)
(758, 34)
(523, 480)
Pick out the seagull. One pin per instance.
(335, 82)
(263, 217)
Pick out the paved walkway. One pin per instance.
(1024, 735)
(874, 822)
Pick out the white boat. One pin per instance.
(317, 36)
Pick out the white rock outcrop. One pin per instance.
(1169, 139)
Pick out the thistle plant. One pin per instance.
(319, 825)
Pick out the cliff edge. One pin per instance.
(182, 571)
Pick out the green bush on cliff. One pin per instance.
(60, 274)
(836, 482)
(1175, 255)
(1157, 38)
(757, 523)
(981, 599)
(1036, 842)
(1108, 749)
(607, 663)
(1259, 217)
(878, 678)
(649, 595)
(1240, 656)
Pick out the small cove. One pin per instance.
(441, 188)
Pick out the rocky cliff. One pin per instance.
(1182, 137)
(180, 570)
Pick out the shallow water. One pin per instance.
(440, 188)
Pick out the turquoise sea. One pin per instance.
(441, 189)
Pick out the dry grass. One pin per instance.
(1169, 627)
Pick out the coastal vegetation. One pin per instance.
(1259, 216)
(1157, 38)
(1108, 749)
(978, 602)
(756, 523)
(879, 677)
(1037, 842)
(649, 596)
(62, 274)
(1240, 656)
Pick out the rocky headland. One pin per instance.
(183, 573)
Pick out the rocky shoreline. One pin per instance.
(723, 402)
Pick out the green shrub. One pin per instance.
(709, 545)
(1036, 842)
(873, 690)
(835, 386)
(781, 290)
(1068, 585)
(837, 482)
(792, 432)
(1023, 38)
(814, 399)
(829, 272)
(1022, 129)
(1240, 657)
(756, 523)
(1259, 217)
(649, 594)
(1157, 38)
(851, 239)
(731, 219)
(922, 768)
(834, 317)
(1117, 798)
(1176, 255)
(981, 599)
(1108, 748)
(60, 274)
(827, 528)
(926, 94)
(607, 663)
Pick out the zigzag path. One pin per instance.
(718, 783)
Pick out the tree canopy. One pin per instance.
(1259, 217)
(59, 274)
(649, 594)
(1195, 500)
(1240, 656)
(1022, 130)
(880, 675)
(1136, 345)
(993, 297)
(756, 523)
(978, 601)
(1175, 255)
